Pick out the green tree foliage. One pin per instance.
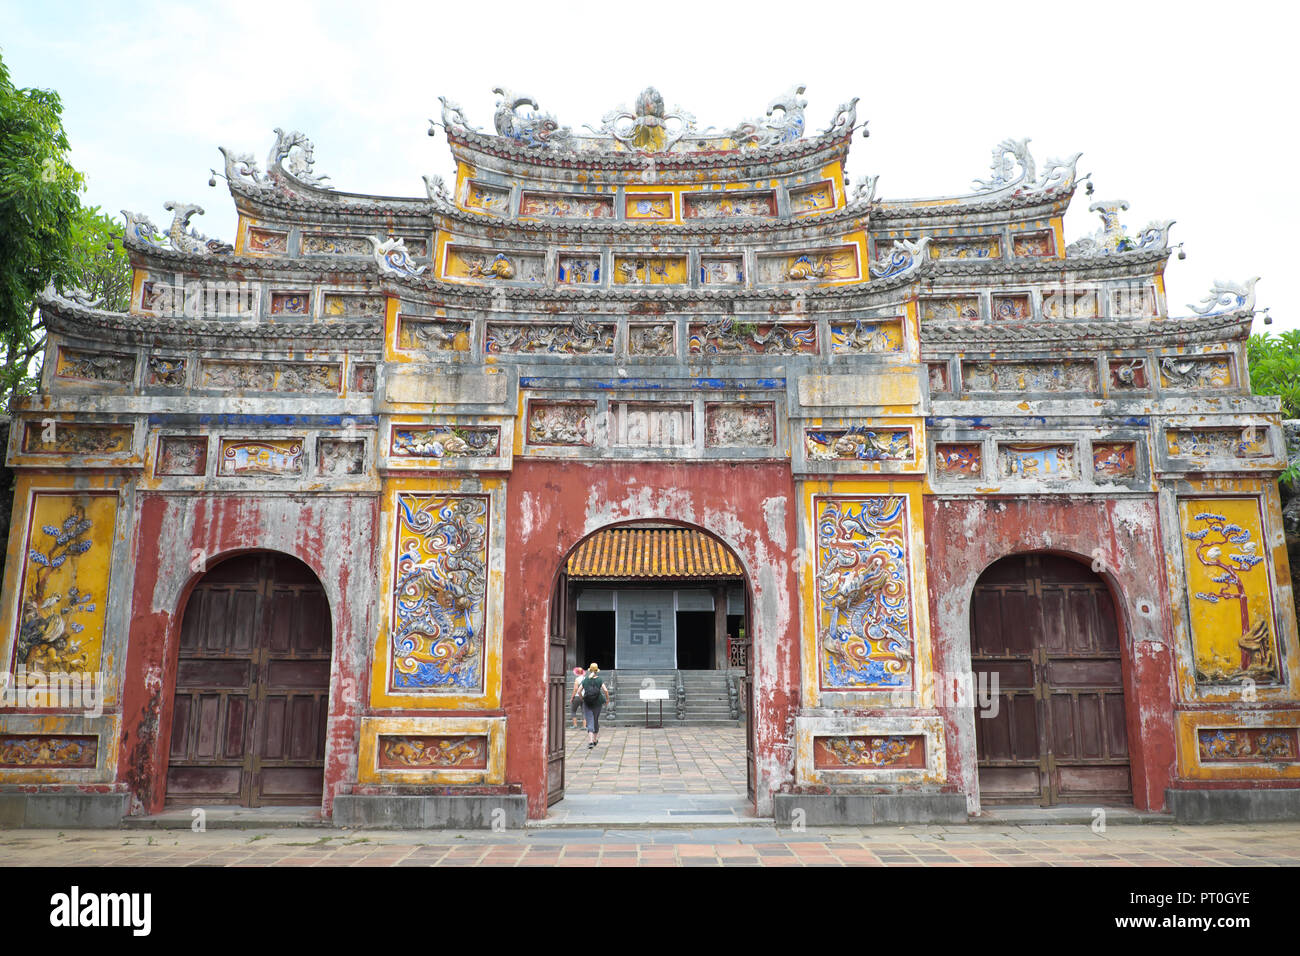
(100, 265)
(38, 207)
(45, 234)
(1275, 368)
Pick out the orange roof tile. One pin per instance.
(652, 553)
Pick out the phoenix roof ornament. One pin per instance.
(1226, 298)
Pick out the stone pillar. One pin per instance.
(720, 628)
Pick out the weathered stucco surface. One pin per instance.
(1121, 541)
(177, 538)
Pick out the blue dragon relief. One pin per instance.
(863, 588)
(439, 595)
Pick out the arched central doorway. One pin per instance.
(656, 606)
(252, 686)
(1046, 626)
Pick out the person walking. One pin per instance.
(594, 696)
(576, 700)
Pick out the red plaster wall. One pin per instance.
(965, 535)
(309, 529)
(552, 506)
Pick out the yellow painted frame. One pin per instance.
(26, 488)
(930, 727)
(369, 771)
(381, 654)
(1278, 563)
(1189, 751)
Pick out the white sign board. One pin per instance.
(654, 694)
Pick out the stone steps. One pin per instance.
(708, 701)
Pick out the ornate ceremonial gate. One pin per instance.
(432, 400)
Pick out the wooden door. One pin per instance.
(557, 688)
(252, 687)
(1045, 625)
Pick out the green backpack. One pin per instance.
(591, 690)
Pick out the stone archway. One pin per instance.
(647, 568)
(250, 697)
(1044, 627)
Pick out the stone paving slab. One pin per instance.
(759, 844)
(667, 760)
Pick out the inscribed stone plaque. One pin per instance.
(646, 631)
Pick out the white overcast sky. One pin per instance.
(1187, 110)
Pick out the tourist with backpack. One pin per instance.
(576, 699)
(594, 695)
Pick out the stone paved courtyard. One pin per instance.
(667, 760)
(758, 845)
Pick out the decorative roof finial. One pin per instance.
(298, 149)
(785, 128)
(527, 129)
(903, 256)
(1012, 154)
(391, 255)
(846, 118)
(1113, 237)
(185, 239)
(647, 129)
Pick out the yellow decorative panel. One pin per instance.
(466, 263)
(815, 198)
(483, 198)
(64, 586)
(649, 206)
(1229, 593)
(650, 270)
(815, 265)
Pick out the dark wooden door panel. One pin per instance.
(563, 619)
(751, 758)
(1046, 626)
(252, 686)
